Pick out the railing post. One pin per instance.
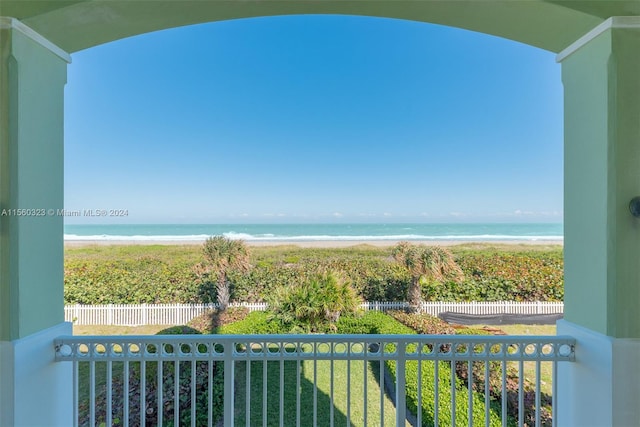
(229, 373)
(401, 390)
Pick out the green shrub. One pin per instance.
(379, 323)
(157, 274)
(313, 305)
(221, 257)
(523, 276)
(210, 321)
(428, 388)
(179, 330)
(512, 386)
(130, 281)
(255, 323)
(423, 323)
(371, 322)
(201, 385)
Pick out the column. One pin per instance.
(601, 76)
(34, 390)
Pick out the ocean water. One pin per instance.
(316, 232)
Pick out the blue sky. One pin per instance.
(315, 119)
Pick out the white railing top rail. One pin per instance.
(321, 347)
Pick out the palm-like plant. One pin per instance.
(430, 263)
(223, 255)
(314, 304)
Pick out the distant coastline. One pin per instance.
(315, 244)
(315, 235)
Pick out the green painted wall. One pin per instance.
(79, 24)
(624, 292)
(585, 184)
(31, 177)
(602, 174)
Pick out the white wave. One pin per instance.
(273, 238)
(238, 236)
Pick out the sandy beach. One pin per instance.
(318, 244)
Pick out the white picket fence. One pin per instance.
(180, 314)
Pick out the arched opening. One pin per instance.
(322, 124)
(599, 42)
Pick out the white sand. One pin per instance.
(317, 244)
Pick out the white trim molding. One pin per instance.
(13, 23)
(610, 23)
(35, 391)
(601, 387)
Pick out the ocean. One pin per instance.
(316, 232)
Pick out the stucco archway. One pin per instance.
(75, 25)
(598, 43)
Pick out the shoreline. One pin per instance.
(315, 243)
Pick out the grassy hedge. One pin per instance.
(255, 323)
(380, 323)
(167, 274)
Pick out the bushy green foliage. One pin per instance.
(255, 323)
(212, 320)
(512, 386)
(179, 330)
(161, 274)
(524, 276)
(379, 323)
(262, 280)
(222, 256)
(373, 279)
(428, 389)
(430, 325)
(201, 385)
(428, 264)
(150, 406)
(313, 305)
(129, 281)
(423, 323)
(371, 322)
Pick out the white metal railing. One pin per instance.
(310, 379)
(178, 314)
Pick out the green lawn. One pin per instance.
(312, 403)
